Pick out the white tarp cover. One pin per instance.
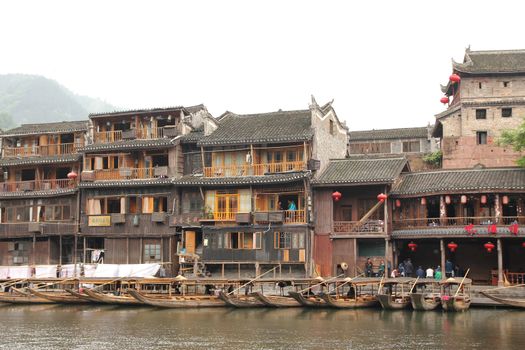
(4, 272)
(45, 271)
(68, 270)
(89, 270)
(19, 272)
(126, 270)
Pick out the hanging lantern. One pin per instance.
(398, 203)
(423, 201)
(489, 246)
(523, 244)
(493, 229)
(463, 199)
(505, 199)
(412, 246)
(381, 197)
(444, 100)
(336, 196)
(452, 246)
(72, 175)
(447, 199)
(483, 199)
(514, 229)
(455, 78)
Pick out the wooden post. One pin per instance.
(305, 155)
(33, 259)
(127, 250)
(84, 250)
(48, 250)
(75, 242)
(355, 258)
(497, 209)
(60, 250)
(386, 257)
(203, 163)
(500, 264)
(140, 250)
(442, 248)
(442, 210)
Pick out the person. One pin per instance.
(420, 272)
(281, 285)
(291, 205)
(430, 272)
(381, 270)
(409, 268)
(369, 267)
(449, 268)
(401, 269)
(437, 273)
(351, 292)
(394, 273)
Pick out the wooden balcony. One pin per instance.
(127, 173)
(143, 134)
(253, 170)
(278, 217)
(47, 150)
(28, 229)
(428, 223)
(37, 185)
(125, 225)
(369, 227)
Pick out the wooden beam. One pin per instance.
(500, 263)
(442, 249)
(202, 158)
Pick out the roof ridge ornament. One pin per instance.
(313, 103)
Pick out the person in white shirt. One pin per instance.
(430, 273)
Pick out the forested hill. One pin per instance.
(36, 99)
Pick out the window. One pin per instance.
(481, 137)
(288, 240)
(480, 85)
(332, 130)
(371, 247)
(151, 252)
(242, 240)
(371, 147)
(411, 146)
(506, 112)
(55, 212)
(481, 114)
(226, 202)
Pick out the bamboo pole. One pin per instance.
(324, 281)
(463, 280)
(411, 289)
(247, 283)
(348, 281)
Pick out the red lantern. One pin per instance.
(398, 203)
(505, 199)
(72, 175)
(489, 246)
(381, 197)
(447, 199)
(483, 199)
(514, 229)
(444, 100)
(452, 246)
(463, 199)
(423, 201)
(412, 246)
(455, 78)
(493, 229)
(336, 196)
(523, 244)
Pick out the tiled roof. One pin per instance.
(38, 194)
(242, 180)
(362, 170)
(137, 111)
(125, 183)
(58, 159)
(461, 181)
(496, 61)
(196, 108)
(389, 134)
(192, 137)
(281, 126)
(131, 144)
(47, 128)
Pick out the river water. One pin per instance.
(112, 327)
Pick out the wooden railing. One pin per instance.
(108, 136)
(129, 224)
(294, 216)
(349, 227)
(224, 215)
(27, 229)
(288, 216)
(143, 134)
(515, 277)
(47, 150)
(36, 185)
(128, 173)
(253, 170)
(454, 221)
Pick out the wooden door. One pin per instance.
(189, 244)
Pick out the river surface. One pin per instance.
(112, 327)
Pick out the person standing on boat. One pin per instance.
(409, 268)
(437, 274)
(449, 268)
(369, 267)
(430, 272)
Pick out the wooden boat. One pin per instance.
(14, 298)
(108, 298)
(179, 301)
(242, 301)
(275, 300)
(58, 297)
(512, 296)
(342, 302)
(429, 298)
(395, 293)
(81, 295)
(455, 294)
(308, 300)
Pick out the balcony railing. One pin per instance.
(47, 150)
(282, 216)
(454, 222)
(151, 133)
(36, 185)
(27, 229)
(253, 170)
(129, 224)
(355, 227)
(130, 173)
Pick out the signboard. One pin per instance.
(99, 220)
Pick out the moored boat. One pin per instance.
(511, 296)
(428, 298)
(109, 298)
(178, 301)
(58, 297)
(276, 300)
(395, 293)
(343, 302)
(308, 300)
(455, 294)
(14, 298)
(241, 301)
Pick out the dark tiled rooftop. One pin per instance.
(38, 194)
(58, 159)
(131, 144)
(244, 180)
(46, 128)
(388, 134)
(495, 61)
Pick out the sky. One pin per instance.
(380, 61)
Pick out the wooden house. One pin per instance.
(38, 192)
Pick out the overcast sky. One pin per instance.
(381, 61)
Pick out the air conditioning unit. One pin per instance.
(34, 227)
(118, 218)
(158, 217)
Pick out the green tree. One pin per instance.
(516, 139)
(6, 121)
